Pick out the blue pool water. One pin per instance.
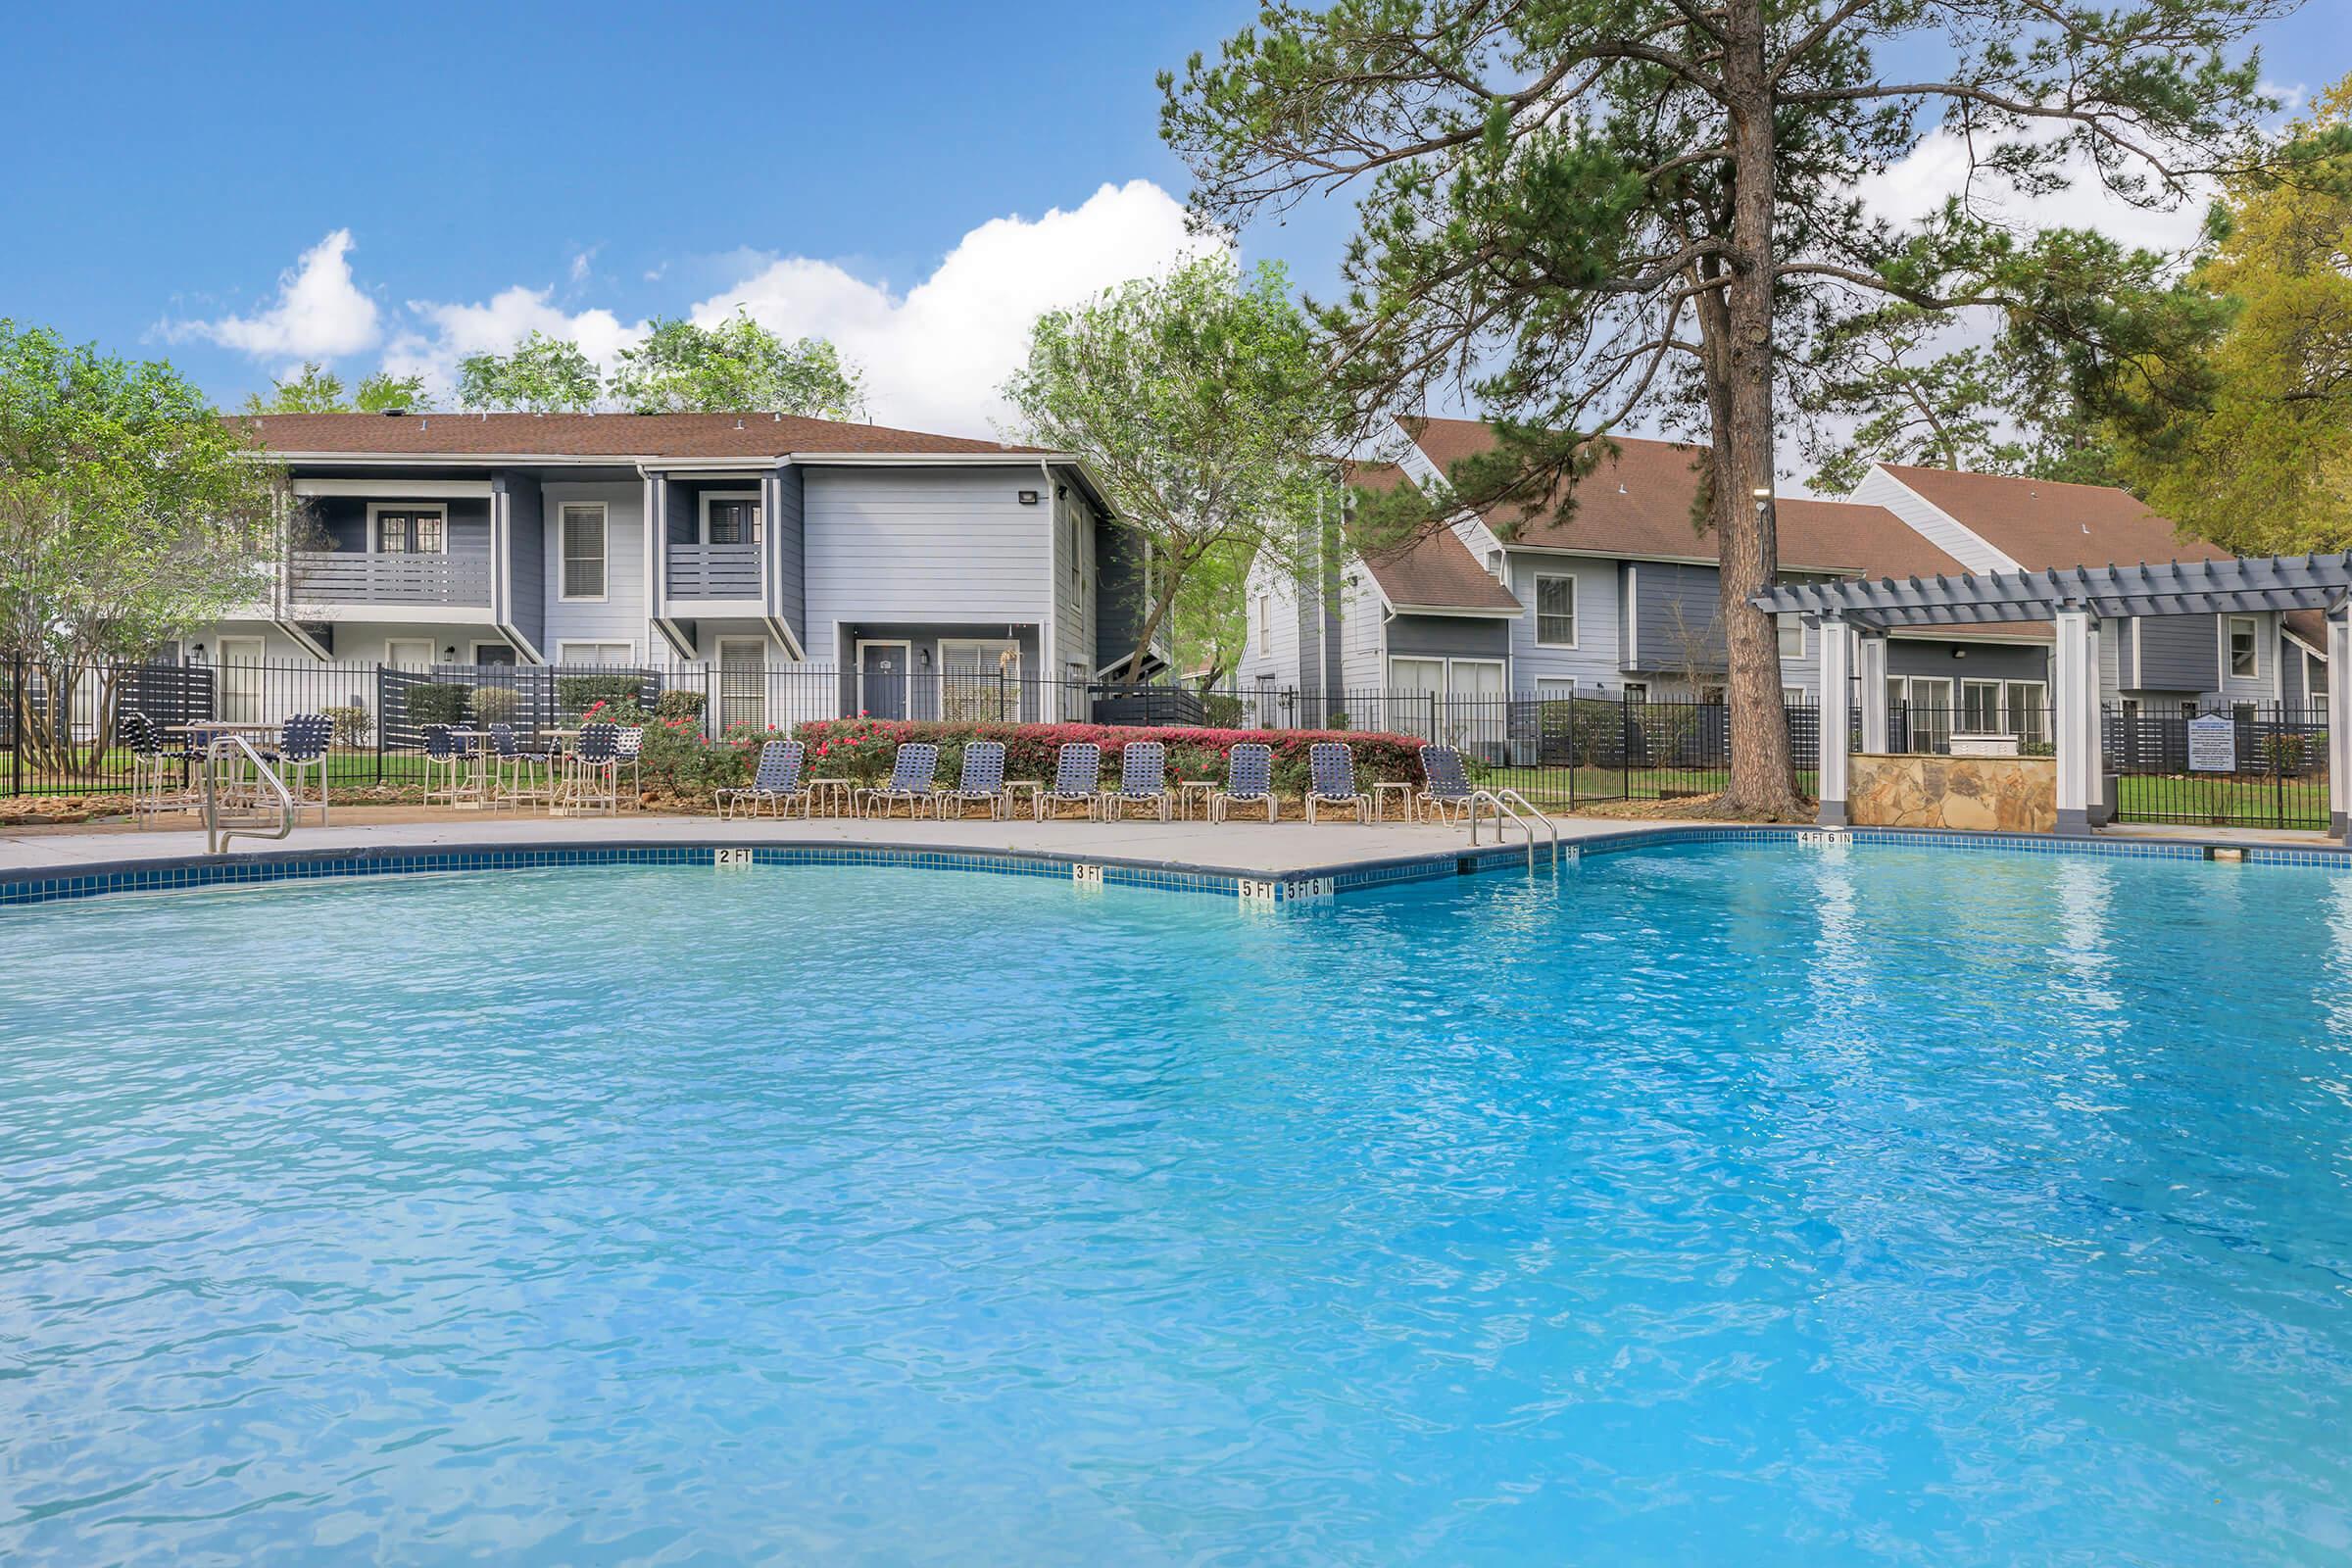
(1745, 1204)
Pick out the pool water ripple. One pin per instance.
(1717, 1204)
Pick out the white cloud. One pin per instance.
(447, 332)
(1938, 168)
(934, 355)
(319, 312)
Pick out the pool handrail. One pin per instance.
(1509, 804)
(222, 824)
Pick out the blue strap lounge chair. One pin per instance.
(1248, 781)
(1331, 771)
(444, 765)
(1143, 781)
(591, 782)
(1077, 779)
(158, 778)
(980, 779)
(1445, 788)
(520, 772)
(775, 782)
(913, 778)
(302, 745)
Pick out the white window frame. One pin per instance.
(375, 527)
(604, 535)
(718, 665)
(565, 646)
(1575, 619)
(702, 514)
(1781, 625)
(2001, 709)
(2253, 626)
(392, 652)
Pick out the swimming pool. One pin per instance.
(1729, 1202)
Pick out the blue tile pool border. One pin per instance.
(53, 884)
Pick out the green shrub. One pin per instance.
(576, 693)
(496, 704)
(866, 748)
(678, 703)
(351, 723)
(1222, 709)
(435, 704)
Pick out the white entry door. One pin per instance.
(241, 680)
(1479, 710)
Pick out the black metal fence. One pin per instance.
(2012, 728)
(1558, 749)
(2254, 764)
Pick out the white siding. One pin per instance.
(898, 545)
(621, 618)
(1361, 614)
(1939, 527)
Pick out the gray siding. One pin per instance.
(787, 541)
(1982, 661)
(525, 560)
(1448, 637)
(1119, 607)
(620, 616)
(916, 546)
(1593, 663)
(1674, 618)
(2175, 653)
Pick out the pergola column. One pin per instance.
(2076, 679)
(2340, 723)
(2101, 812)
(1836, 667)
(1870, 662)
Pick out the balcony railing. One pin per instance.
(353, 577)
(713, 571)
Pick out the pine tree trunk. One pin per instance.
(1739, 390)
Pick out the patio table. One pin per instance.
(1192, 797)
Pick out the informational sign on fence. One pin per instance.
(2212, 745)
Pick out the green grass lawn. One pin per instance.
(2302, 802)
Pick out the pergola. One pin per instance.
(1854, 618)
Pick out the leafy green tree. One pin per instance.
(736, 366)
(129, 511)
(315, 389)
(1915, 405)
(1593, 212)
(1201, 402)
(2263, 464)
(541, 374)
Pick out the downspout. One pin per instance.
(1049, 642)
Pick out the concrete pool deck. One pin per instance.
(1239, 848)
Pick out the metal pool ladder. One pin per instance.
(1512, 805)
(268, 815)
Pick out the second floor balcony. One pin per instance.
(713, 571)
(368, 577)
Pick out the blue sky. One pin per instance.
(434, 177)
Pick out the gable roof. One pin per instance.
(618, 437)
(1639, 502)
(1437, 572)
(2041, 523)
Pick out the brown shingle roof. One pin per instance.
(2040, 522)
(1437, 572)
(597, 435)
(1638, 503)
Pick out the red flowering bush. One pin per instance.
(834, 744)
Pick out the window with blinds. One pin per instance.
(582, 525)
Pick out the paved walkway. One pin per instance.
(1242, 848)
